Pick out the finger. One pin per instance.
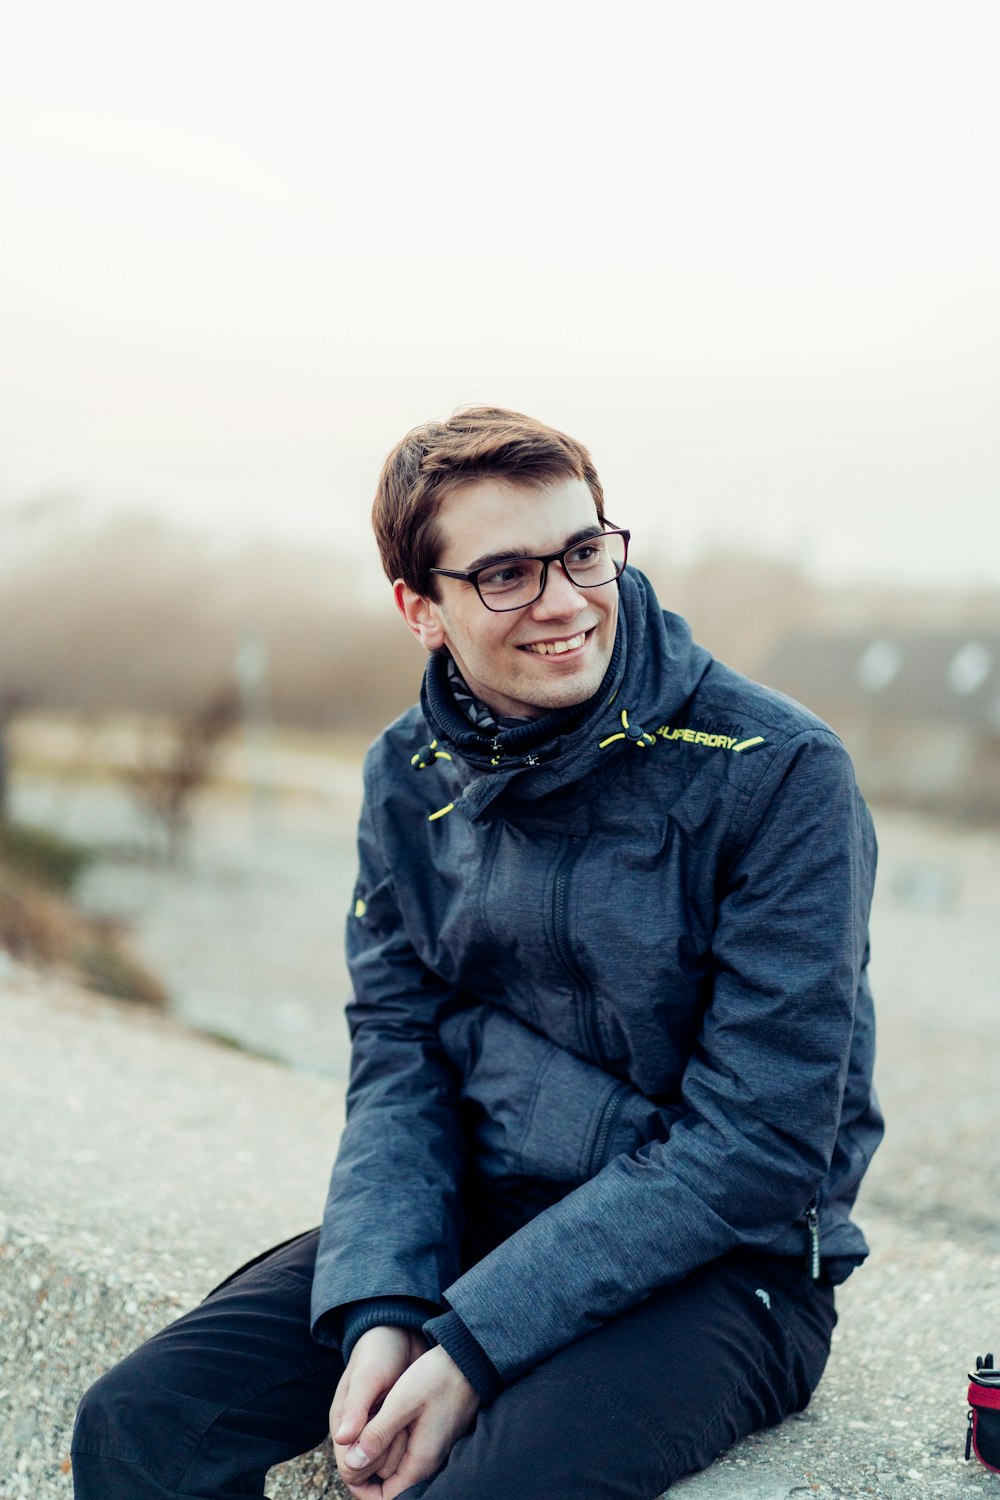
(419, 1461)
(353, 1470)
(364, 1454)
(397, 1485)
(364, 1489)
(339, 1400)
(410, 1472)
(360, 1459)
(362, 1396)
(361, 1391)
(393, 1456)
(352, 1420)
(357, 1484)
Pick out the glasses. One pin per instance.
(514, 582)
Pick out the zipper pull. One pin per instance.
(968, 1437)
(812, 1248)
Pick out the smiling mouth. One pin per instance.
(556, 648)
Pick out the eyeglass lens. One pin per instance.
(518, 580)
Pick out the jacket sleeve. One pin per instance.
(391, 1226)
(762, 1090)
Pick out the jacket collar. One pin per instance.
(654, 668)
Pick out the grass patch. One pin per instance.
(42, 857)
(41, 926)
(104, 963)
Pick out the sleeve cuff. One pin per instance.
(450, 1332)
(343, 1326)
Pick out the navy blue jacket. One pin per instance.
(619, 952)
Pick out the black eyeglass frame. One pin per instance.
(559, 557)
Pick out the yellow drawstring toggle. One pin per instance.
(427, 756)
(638, 735)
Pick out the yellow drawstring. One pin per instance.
(640, 738)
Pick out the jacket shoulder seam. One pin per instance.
(782, 751)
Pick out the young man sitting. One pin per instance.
(610, 1096)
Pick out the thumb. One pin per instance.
(352, 1420)
(395, 1414)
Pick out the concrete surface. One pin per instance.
(142, 1163)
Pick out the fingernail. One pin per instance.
(356, 1457)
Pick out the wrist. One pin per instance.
(359, 1318)
(467, 1355)
(447, 1366)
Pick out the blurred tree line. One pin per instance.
(135, 615)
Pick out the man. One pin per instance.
(610, 1095)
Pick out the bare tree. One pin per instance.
(4, 761)
(170, 774)
(11, 702)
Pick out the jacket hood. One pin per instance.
(654, 669)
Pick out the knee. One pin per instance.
(131, 1416)
(126, 1439)
(136, 1412)
(107, 1415)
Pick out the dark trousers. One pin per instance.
(212, 1402)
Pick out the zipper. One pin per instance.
(968, 1435)
(486, 863)
(813, 1263)
(610, 1115)
(588, 1017)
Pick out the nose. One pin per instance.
(560, 597)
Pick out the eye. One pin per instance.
(586, 554)
(499, 577)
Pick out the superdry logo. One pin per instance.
(710, 741)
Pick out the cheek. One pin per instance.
(495, 640)
(483, 646)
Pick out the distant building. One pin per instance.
(920, 712)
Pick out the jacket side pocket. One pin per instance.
(539, 1111)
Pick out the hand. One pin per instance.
(409, 1438)
(377, 1360)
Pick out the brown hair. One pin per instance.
(439, 457)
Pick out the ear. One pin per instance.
(421, 615)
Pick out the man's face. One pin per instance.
(507, 659)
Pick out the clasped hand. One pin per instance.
(398, 1410)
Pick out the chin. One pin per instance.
(567, 694)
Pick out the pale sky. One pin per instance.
(747, 252)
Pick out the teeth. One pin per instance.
(556, 648)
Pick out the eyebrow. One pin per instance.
(595, 529)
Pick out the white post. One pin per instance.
(250, 667)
